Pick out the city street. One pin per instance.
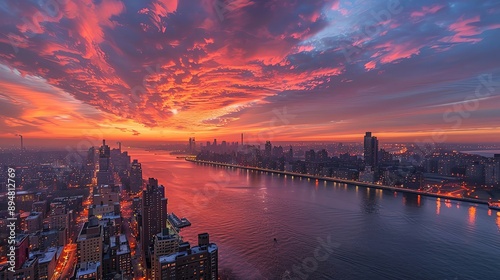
(130, 230)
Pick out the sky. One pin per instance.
(271, 69)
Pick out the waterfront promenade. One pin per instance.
(348, 182)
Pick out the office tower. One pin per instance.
(154, 214)
(90, 243)
(104, 175)
(135, 177)
(371, 150)
(165, 243)
(242, 139)
(200, 262)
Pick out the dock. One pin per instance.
(178, 223)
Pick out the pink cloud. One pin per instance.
(467, 30)
(392, 52)
(370, 65)
(426, 11)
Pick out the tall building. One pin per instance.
(165, 243)
(200, 262)
(135, 177)
(91, 165)
(90, 243)
(154, 214)
(267, 149)
(105, 174)
(59, 218)
(371, 150)
(192, 145)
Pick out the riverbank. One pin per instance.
(348, 182)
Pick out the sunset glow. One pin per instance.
(301, 70)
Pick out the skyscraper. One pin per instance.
(268, 148)
(154, 214)
(135, 176)
(192, 145)
(104, 175)
(371, 150)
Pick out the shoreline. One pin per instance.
(347, 182)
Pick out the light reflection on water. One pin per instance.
(382, 235)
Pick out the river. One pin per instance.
(325, 230)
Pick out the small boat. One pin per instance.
(494, 205)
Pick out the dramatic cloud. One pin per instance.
(168, 69)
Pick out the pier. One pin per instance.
(178, 223)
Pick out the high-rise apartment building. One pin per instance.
(90, 243)
(165, 243)
(135, 177)
(370, 150)
(154, 214)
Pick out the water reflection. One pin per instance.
(498, 220)
(410, 199)
(369, 201)
(251, 208)
(447, 202)
(472, 215)
(255, 179)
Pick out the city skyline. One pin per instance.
(249, 139)
(107, 225)
(321, 70)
